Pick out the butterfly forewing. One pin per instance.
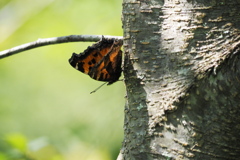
(93, 54)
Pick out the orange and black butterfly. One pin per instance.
(102, 61)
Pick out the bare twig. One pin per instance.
(54, 40)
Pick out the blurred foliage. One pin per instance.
(46, 111)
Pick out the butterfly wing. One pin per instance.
(85, 61)
(109, 67)
(101, 61)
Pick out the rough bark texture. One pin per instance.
(182, 75)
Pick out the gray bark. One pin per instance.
(182, 75)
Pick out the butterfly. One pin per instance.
(102, 61)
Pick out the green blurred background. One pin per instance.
(46, 111)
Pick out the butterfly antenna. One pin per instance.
(98, 88)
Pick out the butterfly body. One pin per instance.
(102, 61)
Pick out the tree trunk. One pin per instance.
(182, 75)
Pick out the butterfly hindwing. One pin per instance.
(101, 61)
(109, 67)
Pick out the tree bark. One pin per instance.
(182, 76)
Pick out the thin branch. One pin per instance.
(54, 40)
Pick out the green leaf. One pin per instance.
(17, 141)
